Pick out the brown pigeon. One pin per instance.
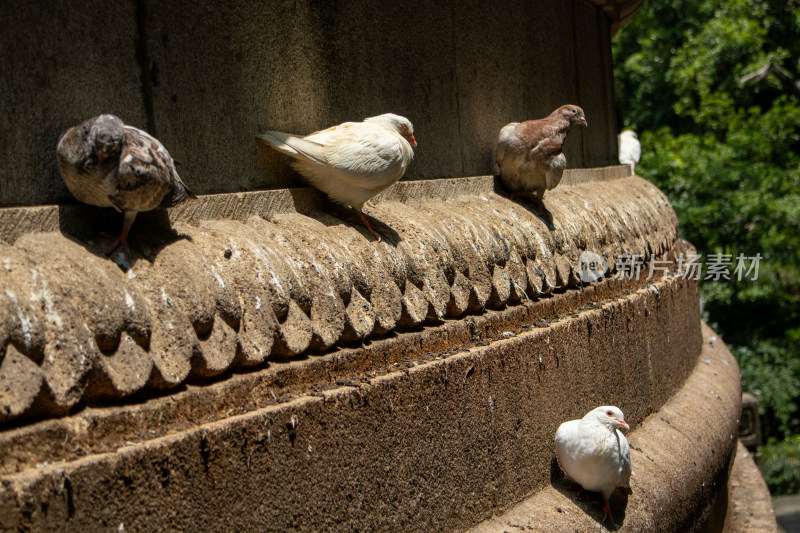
(108, 164)
(354, 161)
(530, 155)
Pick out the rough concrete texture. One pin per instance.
(439, 442)
(44, 442)
(61, 62)
(681, 457)
(750, 509)
(206, 77)
(224, 294)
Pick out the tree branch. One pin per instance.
(758, 75)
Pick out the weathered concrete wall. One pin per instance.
(681, 457)
(61, 62)
(241, 398)
(230, 294)
(750, 509)
(435, 442)
(205, 77)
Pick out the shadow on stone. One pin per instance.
(150, 233)
(84, 224)
(547, 217)
(345, 215)
(274, 164)
(526, 200)
(589, 502)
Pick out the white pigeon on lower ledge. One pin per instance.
(595, 454)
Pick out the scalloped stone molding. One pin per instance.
(254, 277)
(257, 355)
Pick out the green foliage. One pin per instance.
(781, 466)
(678, 61)
(724, 145)
(779, 390)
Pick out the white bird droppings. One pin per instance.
(129, 301)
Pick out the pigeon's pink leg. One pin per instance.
(130, 216)
(365, 221)
(122, 239)
(540, 205)
(607, 513)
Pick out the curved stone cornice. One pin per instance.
(251, 278)
(697, 426)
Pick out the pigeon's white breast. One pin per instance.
(590, 456)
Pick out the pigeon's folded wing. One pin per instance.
(358, 154)
(547, 147)
(625, 452)
(283, 142)
(505, 142)
(146, 177)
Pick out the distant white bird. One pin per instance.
(595, 454)
(354, 161)
(630, 149)
(530, 154)
(109, 164)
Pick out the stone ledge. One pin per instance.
(230, 295)
(78, 219)
(105, 428)
(681, 458)
(437, 445)
(750, 508)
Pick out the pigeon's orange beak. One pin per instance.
(412, 140)
(623, 424)
(583, 122)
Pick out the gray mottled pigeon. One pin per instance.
(108, 164)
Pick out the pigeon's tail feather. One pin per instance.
(278, 141)
(179, 193)
(297, 147)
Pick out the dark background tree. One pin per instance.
(713, 89)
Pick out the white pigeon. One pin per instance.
(354, 161)
(594, 453)
(630, 149)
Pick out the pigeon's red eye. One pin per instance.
(610, 413)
